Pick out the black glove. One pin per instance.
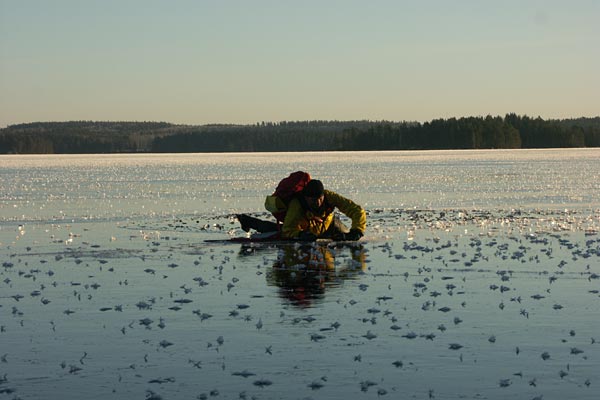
(353, 235)
(306, 236)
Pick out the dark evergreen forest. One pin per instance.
(509, 132)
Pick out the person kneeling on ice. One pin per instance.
(310, 216)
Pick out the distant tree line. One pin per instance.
(509, 132)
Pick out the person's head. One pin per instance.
(314, 193)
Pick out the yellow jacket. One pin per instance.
(298, 219)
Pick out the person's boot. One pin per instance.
(247, 222)
(244, 222)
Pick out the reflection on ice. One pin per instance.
(303, 273)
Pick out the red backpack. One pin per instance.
(287, 188)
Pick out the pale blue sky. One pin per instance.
(199, 62)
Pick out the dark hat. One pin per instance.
(314, 188)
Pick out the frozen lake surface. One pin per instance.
(479, 278)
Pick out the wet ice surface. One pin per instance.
(479, 278)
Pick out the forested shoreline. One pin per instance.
(509, 132)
